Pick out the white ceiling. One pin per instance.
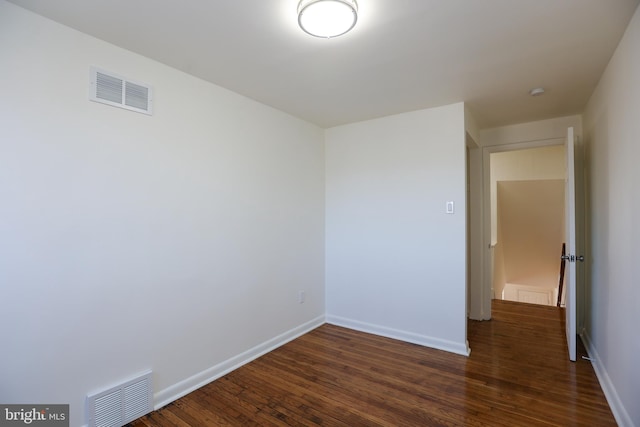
(403, 55)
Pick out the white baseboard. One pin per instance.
(440, 344)
(178, 390)
(182, 388)
(619, 412)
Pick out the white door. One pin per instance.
(570, 257)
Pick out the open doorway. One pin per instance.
(527, 136)
(527, 223)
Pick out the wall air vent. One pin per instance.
(108, 88)
(121, 404)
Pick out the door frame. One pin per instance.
(486, 254)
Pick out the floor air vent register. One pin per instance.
(121, 404)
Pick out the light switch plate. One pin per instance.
(450, 208)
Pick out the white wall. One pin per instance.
(612, 132)
(176, 242)
(395, 259)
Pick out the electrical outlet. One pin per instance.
(301, 297)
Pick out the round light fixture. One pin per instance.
(327, 18)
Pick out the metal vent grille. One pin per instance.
(121, 404)
(108, 410)
(136, 397)
(136, 96)
(111, 89)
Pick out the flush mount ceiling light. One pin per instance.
(327, 18)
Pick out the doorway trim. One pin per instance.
(486, 291)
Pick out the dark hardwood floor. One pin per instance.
(518, 374)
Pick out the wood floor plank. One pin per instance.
(518, 374)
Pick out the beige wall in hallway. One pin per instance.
(524, 165)
(532, 191)
(531, 229)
